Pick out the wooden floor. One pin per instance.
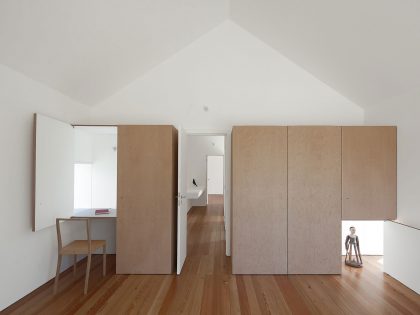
(206, 286)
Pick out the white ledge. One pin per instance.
(194, 193)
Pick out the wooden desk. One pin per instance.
(90, 213)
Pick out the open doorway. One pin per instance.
(198, 150)
(215, 177)
(201, 195)
(370, 236)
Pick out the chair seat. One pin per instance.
(81, 247)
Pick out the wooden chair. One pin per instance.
(79, 247)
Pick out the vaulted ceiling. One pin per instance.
(89, 49)
(366, 50)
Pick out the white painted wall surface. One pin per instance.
(83, 146)
(215, 175)
(402, 255)
(198, 148)
(97, 147)
(241, 80)
(104, 171)
(28, 258)
(371, 236)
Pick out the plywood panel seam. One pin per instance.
(287, 201)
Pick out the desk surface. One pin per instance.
(90, 213)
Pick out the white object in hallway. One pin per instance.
(182, 202)
(215, 170)
(194, 192)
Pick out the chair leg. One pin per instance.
(74, 264)
(89, 258)
(104, 261)
(57, 274)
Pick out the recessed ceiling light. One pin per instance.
(205, 108)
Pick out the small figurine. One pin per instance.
(352, 242)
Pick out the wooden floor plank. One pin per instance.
(207, 286)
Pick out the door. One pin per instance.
(182, 208)
(54, 171)
(259, 200)
(369, 173)
(146, 202)
(314, 200)
(215, 172)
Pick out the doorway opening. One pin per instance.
(203, 198)
(370, 236)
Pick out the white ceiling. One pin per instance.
(90, 49)
(366, 50)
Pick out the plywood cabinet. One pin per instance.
(314, 193)
(369, 173)
(259, 200)
(147, 177)
(292, 186)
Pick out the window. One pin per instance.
(82, 186)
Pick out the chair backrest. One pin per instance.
(59, 239)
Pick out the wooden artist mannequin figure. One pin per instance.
(352, 244)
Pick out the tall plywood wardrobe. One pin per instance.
(147, 186)
(292, 186)
(259, 186)
(314, 200)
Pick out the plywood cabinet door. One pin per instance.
(146, 199)
(259, 200)
(369, 173)
(314, 193)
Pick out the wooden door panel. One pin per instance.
(369, 173)
(314, 206)
(145, 223)
(259, 200)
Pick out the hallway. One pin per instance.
(206, 240)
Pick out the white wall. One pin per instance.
(198, 148)
(371, 236)
(104, 171)
(215, 175)
(97, 146)
(28, 258)
(241, 80)
(83, 146)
